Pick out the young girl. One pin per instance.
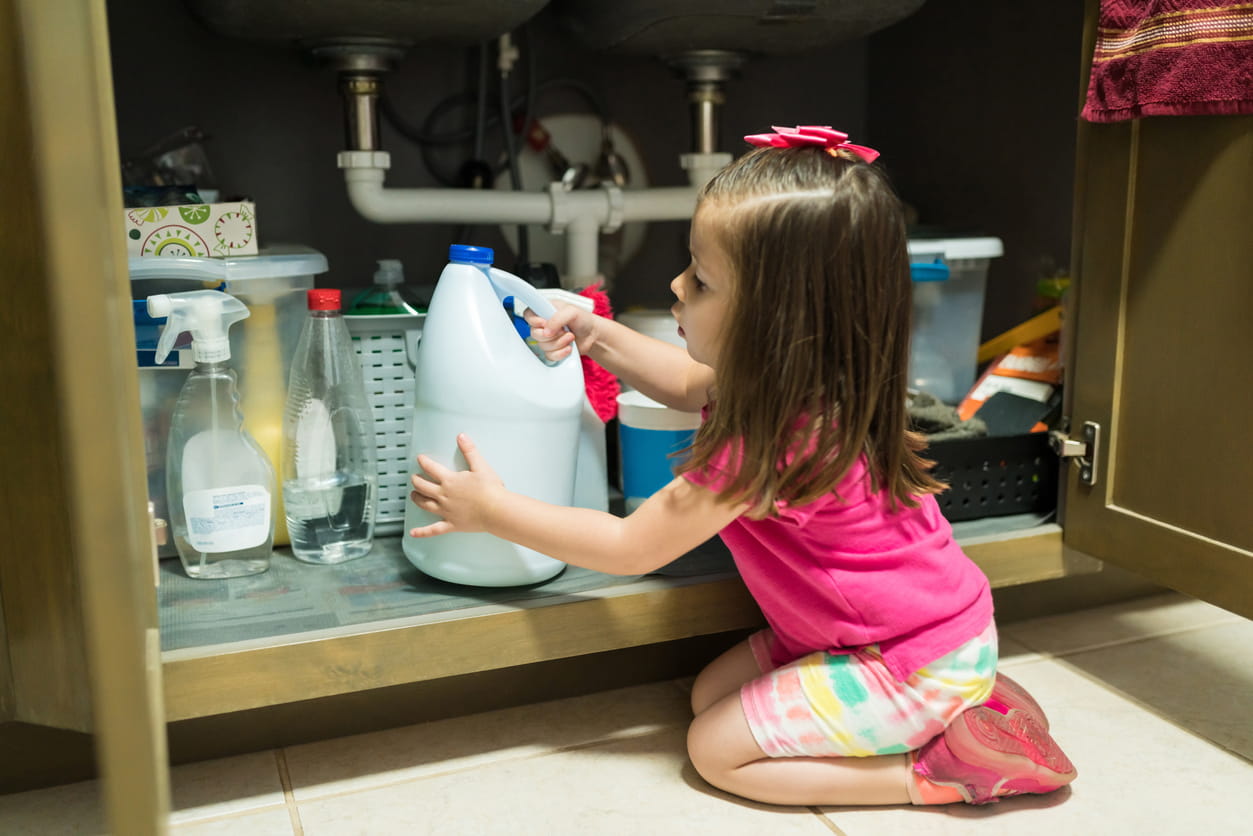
(875, 682)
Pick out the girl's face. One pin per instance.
(704, 291)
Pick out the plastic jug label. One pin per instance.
(227, 519)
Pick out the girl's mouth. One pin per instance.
(681, 334)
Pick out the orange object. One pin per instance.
(1038, 326)
(1032, 370)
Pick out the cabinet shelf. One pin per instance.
(307, 631)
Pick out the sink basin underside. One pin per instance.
(650, 27)
(763, 27)
(454, 22)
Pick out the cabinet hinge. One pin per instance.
(1084, 452)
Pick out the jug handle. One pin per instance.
(511, 285)
(507, 284)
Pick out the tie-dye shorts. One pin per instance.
(850, 705)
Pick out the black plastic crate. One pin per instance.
(995, 476)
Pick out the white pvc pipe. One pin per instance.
(382, 205)
(582, 253)
(580, 215)
(674, 203)
(366, 192)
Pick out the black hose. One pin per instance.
(480, 118)
(511, 152)
(422, 136)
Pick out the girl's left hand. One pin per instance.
(461, 497)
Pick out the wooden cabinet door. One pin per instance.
(77, 562)
(1160, 341)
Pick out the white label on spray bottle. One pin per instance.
(227, 519)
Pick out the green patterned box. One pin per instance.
(199, 229)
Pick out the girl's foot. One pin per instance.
(986, 755)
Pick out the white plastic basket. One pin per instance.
(387, 347)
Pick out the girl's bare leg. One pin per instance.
(724, 676)
(726, 755)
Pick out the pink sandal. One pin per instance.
(986, 755)
(1008, 694)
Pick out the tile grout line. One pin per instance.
(572, 747)
(832, 826)
(227, 816)
(1086, 648)
(1152, 710)
(289, 797)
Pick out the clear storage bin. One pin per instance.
(948, 312)
(272, 285)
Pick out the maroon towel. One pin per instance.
(1171, 58)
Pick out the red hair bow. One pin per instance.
(823, 136)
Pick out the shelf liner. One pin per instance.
(294, 597)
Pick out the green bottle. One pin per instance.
(386, 296)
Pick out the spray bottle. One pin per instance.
(387, 295)
(219, 482)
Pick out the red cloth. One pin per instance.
(1171, 58)
(602, 387)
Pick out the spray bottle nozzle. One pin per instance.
(390, 272)
(207, 314)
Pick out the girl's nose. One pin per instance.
(676, 286)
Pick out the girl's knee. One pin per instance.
(702, 749)
(719, 741)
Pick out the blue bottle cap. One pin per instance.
(466, 254)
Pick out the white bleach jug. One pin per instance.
(476, 374)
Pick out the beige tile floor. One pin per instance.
(1153, 700)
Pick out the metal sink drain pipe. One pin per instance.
(581, 215)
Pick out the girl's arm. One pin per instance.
(672, 522)
(662, 371)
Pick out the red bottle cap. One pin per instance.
(324, 299)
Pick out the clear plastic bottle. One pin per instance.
(330, 476)
(219, 482)
(387, 296)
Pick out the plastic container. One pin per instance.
(219, 482)
(273, 286)
(948, 312)
(330, 481)
(387, 346)
(387, 296)
(476, 375)
(387, 349)
(650, 435)
(995, 476)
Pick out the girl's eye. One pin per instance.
(697, 283)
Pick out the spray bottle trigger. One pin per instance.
(159, 307)
(206, 314)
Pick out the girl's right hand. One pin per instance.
(569, 324)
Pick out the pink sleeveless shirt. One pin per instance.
(839, 574)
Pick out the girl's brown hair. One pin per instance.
(815, 350)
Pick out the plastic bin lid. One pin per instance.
(635, 409)
(270, 263)
(955, 249)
